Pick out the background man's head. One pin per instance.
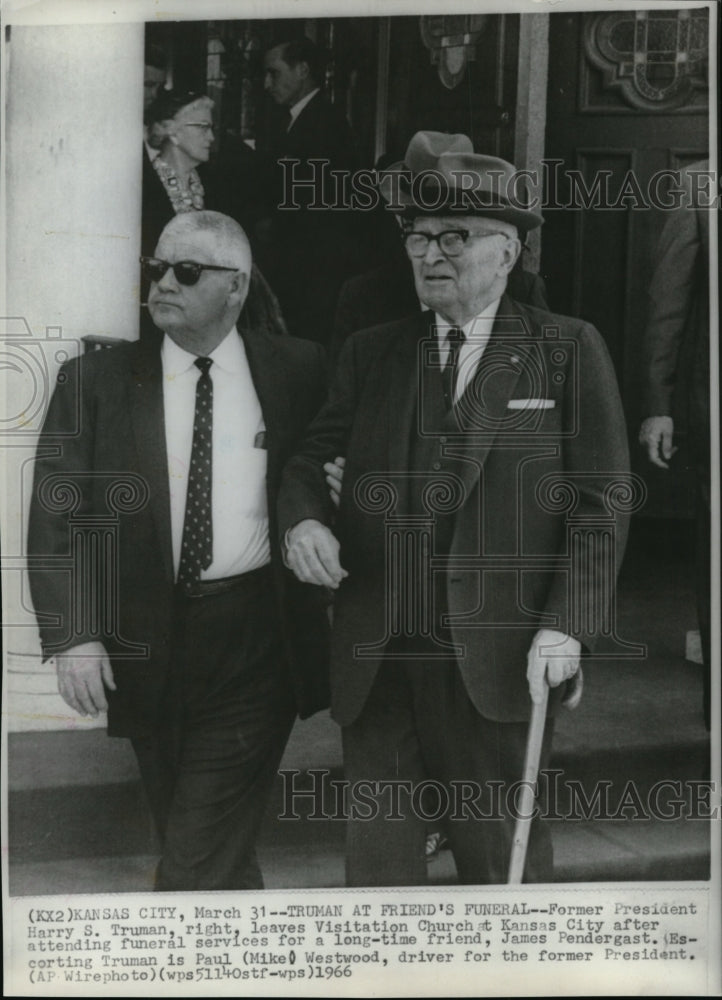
(292, 69)
(198, 316)
(154, 74)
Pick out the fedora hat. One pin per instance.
(441, 175)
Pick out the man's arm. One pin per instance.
(671, 293)
(306, 508)
(64, 453)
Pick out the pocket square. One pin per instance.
(531, 404)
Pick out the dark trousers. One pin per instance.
(703, 570)
(419, 725)
(210, 766)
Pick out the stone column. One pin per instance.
(72, 229)
(531, 111)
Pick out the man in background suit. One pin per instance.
(459, 590)
(676, 341)
(191, 633)
(306, 252)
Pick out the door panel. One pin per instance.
(610, 116)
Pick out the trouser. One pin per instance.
(703, 569)
(420, 731)
(209, 767)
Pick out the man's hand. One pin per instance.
(334, 478)
(656, 434)
(552, 659)
(312, 554)
(82, 672)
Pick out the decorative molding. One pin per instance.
(654, 59)
(451, 39)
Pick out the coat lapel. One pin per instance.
(403, 398)
(148, 422)
(271, 383)
(481, 413)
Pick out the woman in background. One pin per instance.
(178, 179)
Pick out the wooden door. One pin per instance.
(454, 73)
(619, 103)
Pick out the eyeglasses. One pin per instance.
(206, 127)
(451, 241)
(187, 272)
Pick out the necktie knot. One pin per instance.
(203, 365)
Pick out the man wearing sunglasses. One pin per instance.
(474, 550)
(198, 642)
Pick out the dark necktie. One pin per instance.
(197, 545)
(455, 338)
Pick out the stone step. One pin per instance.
(584, 852)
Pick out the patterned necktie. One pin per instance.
(455, 338)
(197, 545)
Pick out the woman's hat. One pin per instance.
(167, 103)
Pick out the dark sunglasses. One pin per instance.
(187, 272)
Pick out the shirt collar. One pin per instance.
(230, 355)
(298, 107)
(478, 327)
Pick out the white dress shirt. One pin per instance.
(476, 336)
(298, 107)
(239, 504)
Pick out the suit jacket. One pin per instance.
(388, 292)
(676, 340)
(309, 252)
(544, 432)
(104, 428)
(321, 130)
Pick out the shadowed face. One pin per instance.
(460, 287)
(153, 78)
(286, 84)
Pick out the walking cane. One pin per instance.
(531, 773)
(529, 778)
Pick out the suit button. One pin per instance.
(442, 440)
(436, 466)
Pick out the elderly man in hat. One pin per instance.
(388, 291)
(483, 439)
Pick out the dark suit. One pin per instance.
(102, 470)
(676, 362)
(498, 511)
(309, 252)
